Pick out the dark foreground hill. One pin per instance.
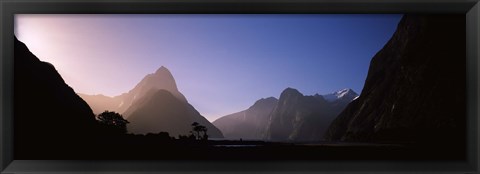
(46, 109)
(415, 88)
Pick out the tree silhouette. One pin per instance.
(197, 128)
(113, 122)
(204, 130)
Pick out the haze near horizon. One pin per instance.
(221, 63)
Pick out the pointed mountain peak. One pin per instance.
(346, 93)
(290, 92)
(344, 90)
(161, 79)
(163, 75)
(162, 70)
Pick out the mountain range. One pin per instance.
(403, 99)
(292, 117)
(414, 96)
(154, 105)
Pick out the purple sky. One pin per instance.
(222, 63)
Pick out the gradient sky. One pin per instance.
(221, 63)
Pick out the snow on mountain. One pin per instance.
(355, 98)
(344, 93)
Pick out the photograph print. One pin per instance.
(239, 87)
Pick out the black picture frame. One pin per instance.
(10, 7)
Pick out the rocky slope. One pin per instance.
(46, 109)
(161, 111)
(249, 123)
(303, 118)
(293, 117)
(415, 88)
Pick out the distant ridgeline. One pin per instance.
(293, 117)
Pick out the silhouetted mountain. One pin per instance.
(404, 98)
(156, 105)
(294, 117)
(154, 111)
(46, 109)
(305, 118)
(161, 111)
(247, 124)
(161, 79)
(297, 117)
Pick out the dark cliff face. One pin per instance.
(45, 108)
(415, 88)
